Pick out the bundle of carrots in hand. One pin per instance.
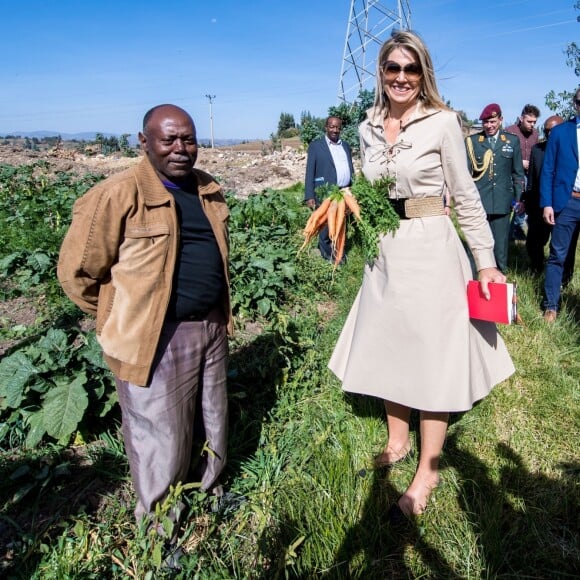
(369, 204)
(332, 212)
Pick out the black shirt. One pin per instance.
(198, 280)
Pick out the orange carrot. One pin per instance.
(352, 205)
(332, 210)
(315, 222)
(318, 215)
(340, 219)
(324, 205)
(340, 244)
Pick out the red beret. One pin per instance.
(491, 111)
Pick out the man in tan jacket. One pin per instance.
(147, 254)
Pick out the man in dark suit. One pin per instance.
(538, 230)
(560, 198)
(329, 162)
(494, 158)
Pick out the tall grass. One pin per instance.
(309, 503)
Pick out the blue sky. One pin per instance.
(75, 66)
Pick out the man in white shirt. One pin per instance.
(329, 162)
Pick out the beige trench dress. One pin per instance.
(408, 337)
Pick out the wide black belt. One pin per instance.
(418, 207)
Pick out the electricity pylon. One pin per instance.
(369, 25)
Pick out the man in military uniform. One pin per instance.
(495, 161)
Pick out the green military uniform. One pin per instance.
(498, 173)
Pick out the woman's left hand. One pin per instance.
(487, 275)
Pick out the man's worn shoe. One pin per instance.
(550, 316)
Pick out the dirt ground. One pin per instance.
(244, 169)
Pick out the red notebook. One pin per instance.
(500, 308)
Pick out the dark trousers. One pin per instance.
(324, 244)
(567, 223)
(158, 420)
(500, 229)
(538, 235)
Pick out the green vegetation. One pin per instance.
(561, 103)
(287, 126)
(378, 216)
(306, 501)
(351, 115)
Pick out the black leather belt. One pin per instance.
(195, 316)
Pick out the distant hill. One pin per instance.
(86, 136)
(90, 136)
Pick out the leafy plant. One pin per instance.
(561, 103)
(377, 214)
(35, 207)
(55, 386)
(26, 269)
(262, 232)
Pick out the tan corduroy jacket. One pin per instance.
(118, 257)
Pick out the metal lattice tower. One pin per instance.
(369, 25)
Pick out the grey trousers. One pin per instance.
(189, 373)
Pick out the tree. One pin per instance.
(561, 103)
(285, 123)
(351, 116)
(99, 140)
(466, 122)
(125, 146)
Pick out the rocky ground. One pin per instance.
(244, 169)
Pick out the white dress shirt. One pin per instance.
(340, 159)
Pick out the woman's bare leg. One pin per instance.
(433, 430)
(398, 443)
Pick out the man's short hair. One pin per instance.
(531, 110)
(151, 111)
(332, 117)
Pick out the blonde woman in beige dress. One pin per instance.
(408, 338)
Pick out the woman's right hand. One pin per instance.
(487, 275)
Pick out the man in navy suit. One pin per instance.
(329, 162)
(560, 198)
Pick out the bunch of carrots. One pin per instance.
(333, 212)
